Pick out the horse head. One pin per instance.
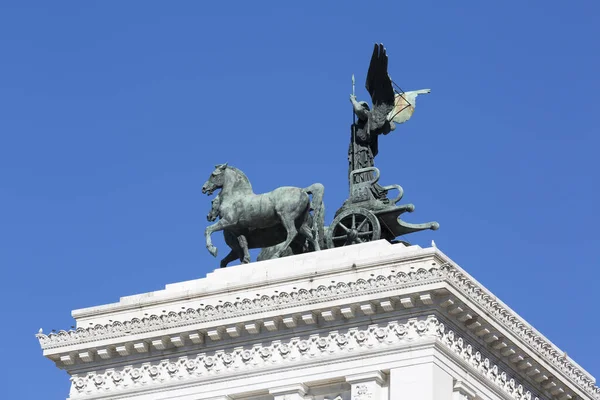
(214, 209)
(229, 179)
(216, 180)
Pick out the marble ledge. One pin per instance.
(270, 272)
(343, 262)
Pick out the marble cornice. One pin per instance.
(314, 350)
(384, 283)
(243, 307)
(527, 335)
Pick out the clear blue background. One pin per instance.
(113, 114)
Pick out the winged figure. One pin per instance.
(373, 122)
(388, 109)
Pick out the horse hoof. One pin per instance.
(246, 261)
(212, 250)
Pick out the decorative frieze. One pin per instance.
(259, 356)
(323, 293)
(488, 302)
(483, 365)
(298, 350)
(243, 307)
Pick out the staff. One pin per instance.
(353, 136)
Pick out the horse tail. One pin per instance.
(317, 191)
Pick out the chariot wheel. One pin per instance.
(352, 226)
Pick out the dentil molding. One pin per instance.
(278, 354)
(323, 293)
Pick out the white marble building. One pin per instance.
(366, 322)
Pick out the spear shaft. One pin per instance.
(353, 136)
(353, 94)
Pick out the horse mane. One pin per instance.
(241, 175)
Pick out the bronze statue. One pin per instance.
(289, 220)
(389, 108)
(371, 123)
(268, 239)
(262, 220)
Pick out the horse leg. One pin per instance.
(235, 252)
(309, 235)
(309, 232)
(290, 227)
(228, 258)
(243, 243)
(266, 253)
(219, 226)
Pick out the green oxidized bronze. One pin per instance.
(290, 220)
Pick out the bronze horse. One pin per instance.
(265, 239)
(273, 221)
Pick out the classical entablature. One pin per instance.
(346, 323)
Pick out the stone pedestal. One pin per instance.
(367, 322)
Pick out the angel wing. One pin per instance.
(404, 105)
(379, 86)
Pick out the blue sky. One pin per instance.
(112, 115)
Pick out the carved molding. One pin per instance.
(247, 306)
(483, 365)
(324, 293)
(296, 350)
(521, 329)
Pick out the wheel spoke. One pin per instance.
(353, 221)
(340, 237)
(343, 227)
(365, 234)
(361, 224)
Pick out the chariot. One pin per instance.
(364, 218)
